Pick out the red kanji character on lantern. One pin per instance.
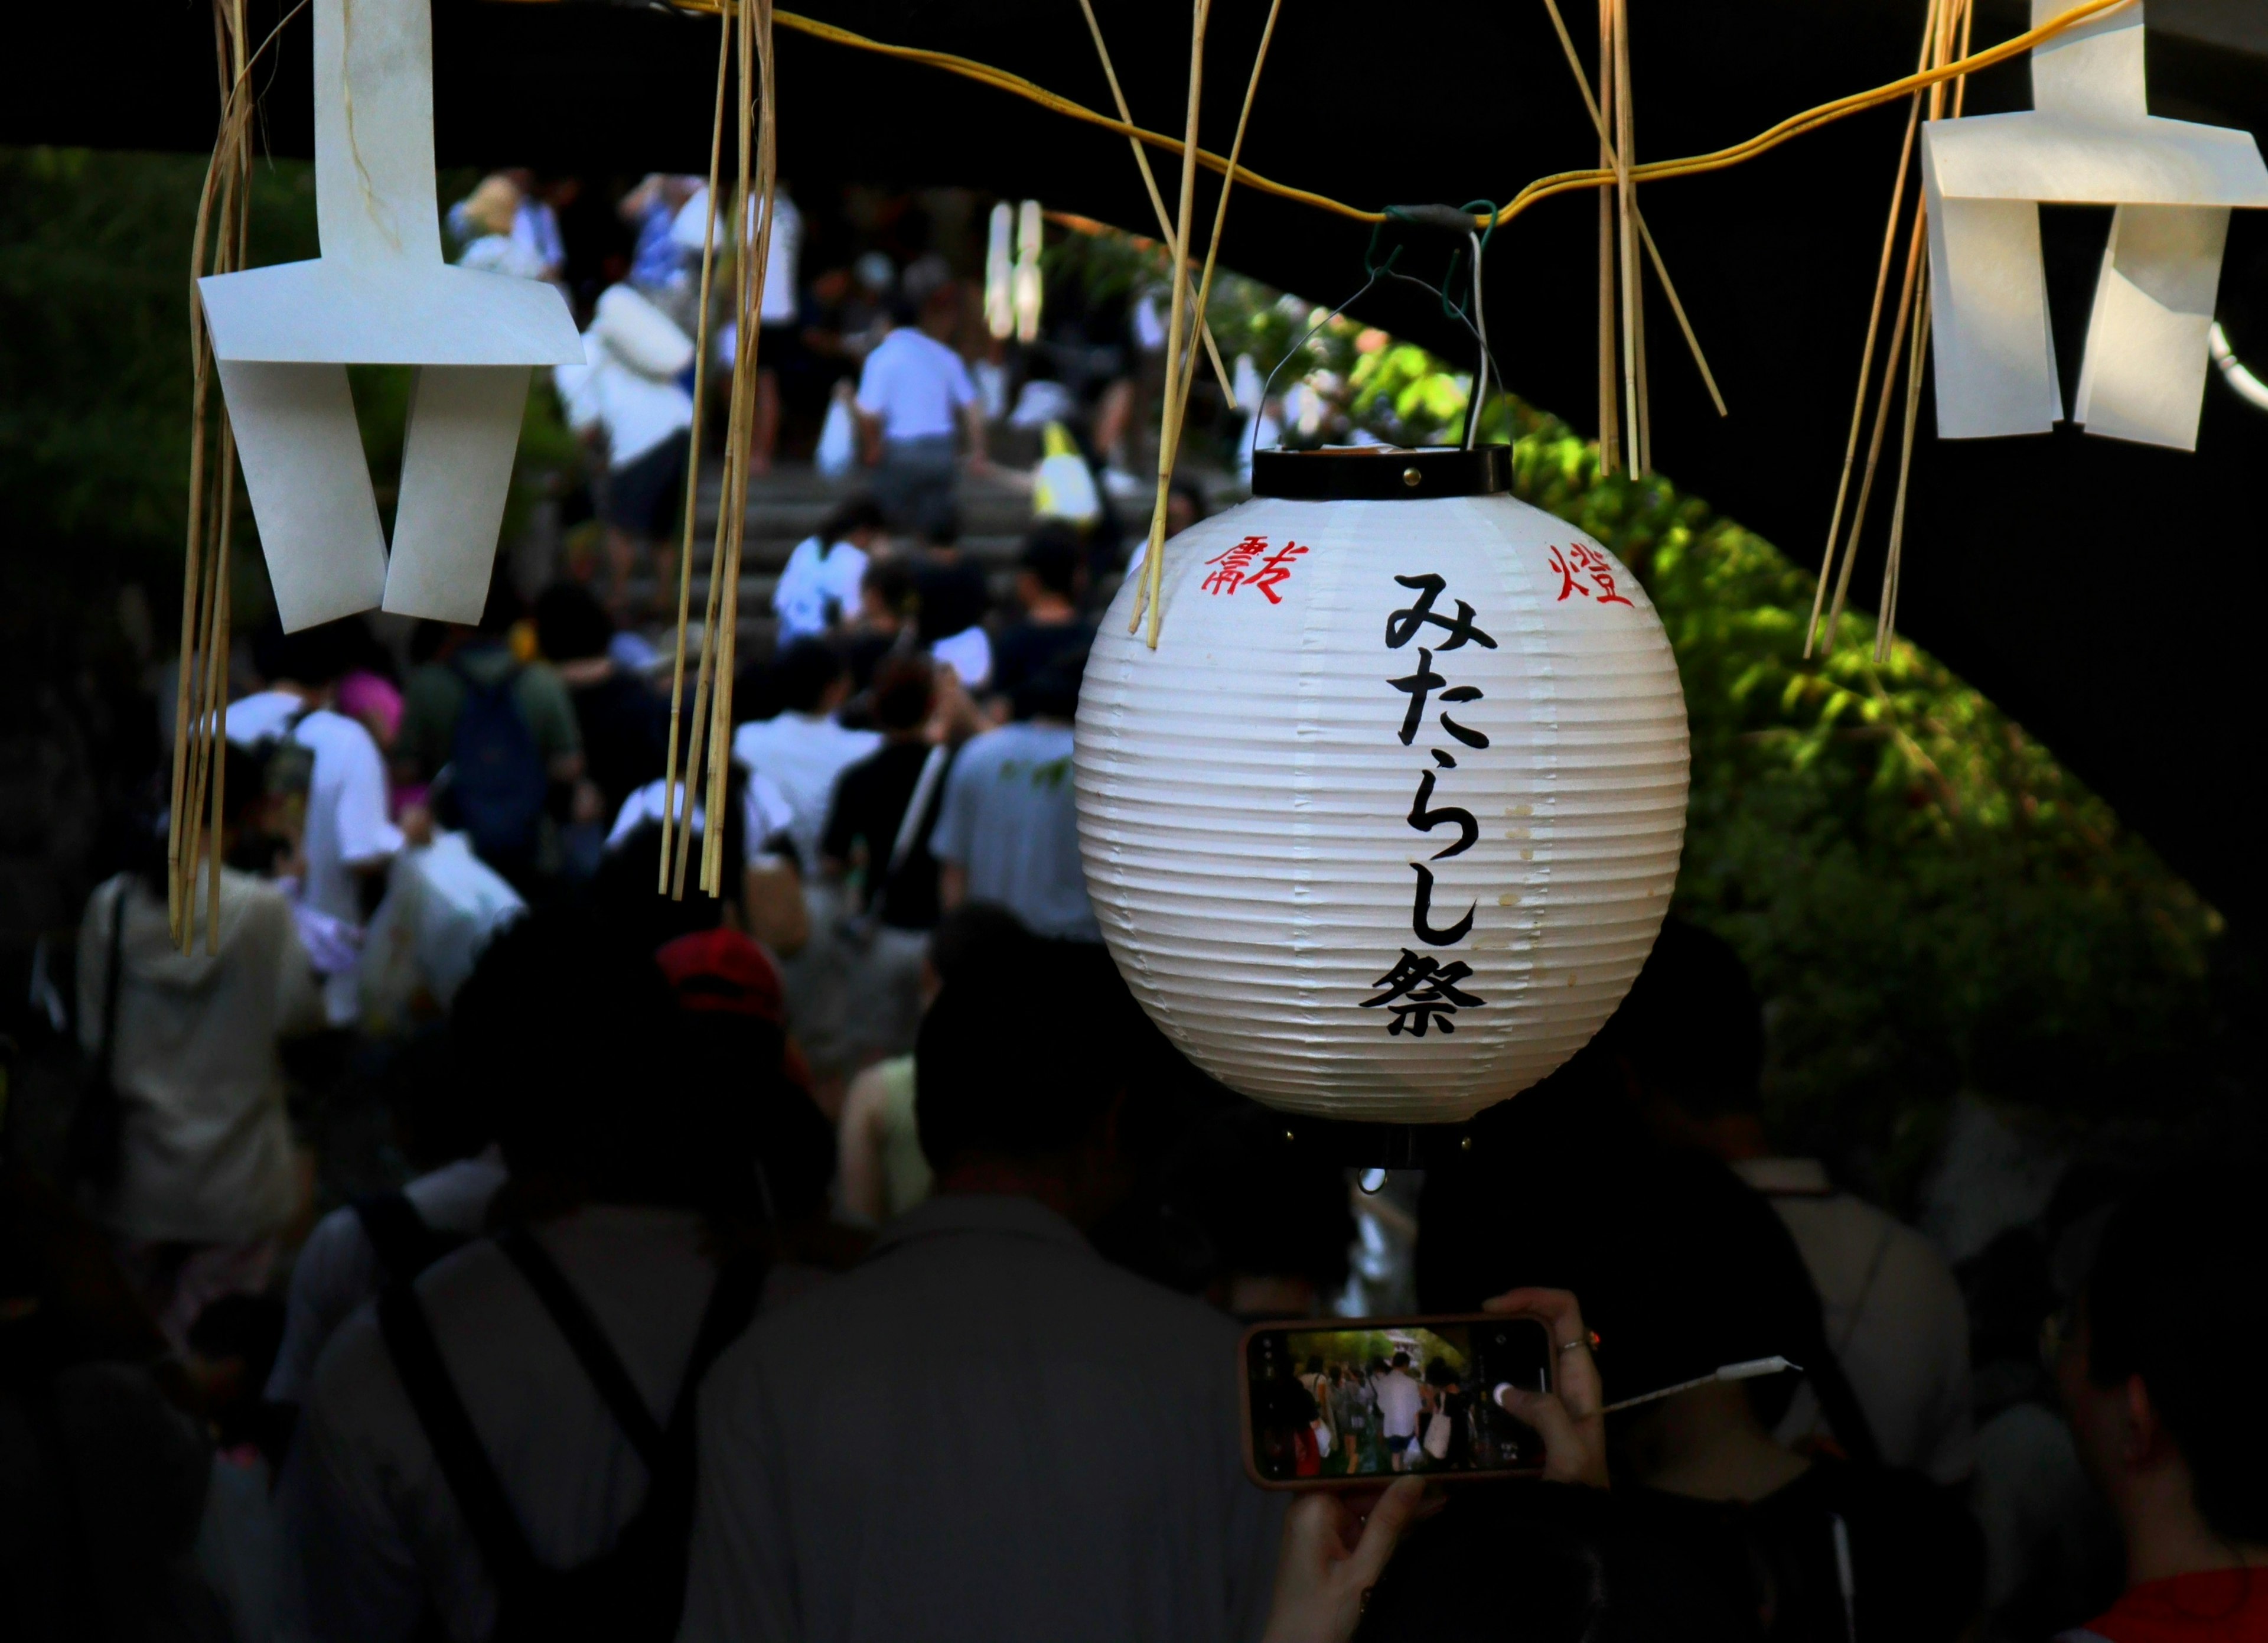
(1274, 569)
(1577, 565)
(1232, 565)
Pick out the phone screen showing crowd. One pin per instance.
(1377, 1399)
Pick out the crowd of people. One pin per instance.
(848, 1257)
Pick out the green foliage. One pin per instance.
(94, 366)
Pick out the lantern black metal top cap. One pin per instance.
(1379, 474)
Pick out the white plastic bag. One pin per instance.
(838, 439)
(442, 905)
(641, 336)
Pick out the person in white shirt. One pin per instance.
(609, 1157)
(777, 310)
(204, 1177)
(441, 1125)
(801, 749)
(914, 392)
(346, 839)
(1399, 1400)
(635, 397)
(818, 590)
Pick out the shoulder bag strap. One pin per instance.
(732, 1306)
(457, 1447)
(588, 1342)
(909, 826)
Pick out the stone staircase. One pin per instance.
(790, 502)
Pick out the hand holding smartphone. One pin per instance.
(1359, 1401)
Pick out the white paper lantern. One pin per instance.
(1385, 827)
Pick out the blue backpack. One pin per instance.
(497, 778)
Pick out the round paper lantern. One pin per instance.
(1386, 825)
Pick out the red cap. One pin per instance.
(722, 969)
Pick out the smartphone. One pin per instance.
(1362, 1401)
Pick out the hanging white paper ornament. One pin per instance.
(1385, 827)
(380, 294)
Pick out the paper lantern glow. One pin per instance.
(1385, 826)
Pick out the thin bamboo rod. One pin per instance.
(1150, 182)
(1169, 430)
(1610, 438)
(1626, 255)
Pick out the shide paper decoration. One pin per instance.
(1386, 825)
(380, 293)
(2089, 139)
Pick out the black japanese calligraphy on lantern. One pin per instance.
(1420, 991)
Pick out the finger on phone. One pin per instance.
(1566, 1455)
(1574, 1373)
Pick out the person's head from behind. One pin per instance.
(938, 527)
(1275, 1216)
(1689, 1044)
(905, 689)
(2161, 1375)
(772, 1153)
(935, 296)
(1401, 1361)
(1023, 1070)
(811, 678)
(1686, 1268)
(564, 1027)
(1051, 694)
(972, 942)
(570, 624)
(857, 521)
(1047, 573)
(886, 592)
(312, 660)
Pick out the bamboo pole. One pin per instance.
(1626, 198)
(1169, 431)
(1149, 179)
(1611, 448)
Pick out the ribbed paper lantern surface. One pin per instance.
(1386, 825)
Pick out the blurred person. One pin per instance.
(1816, 1545)
(883, 1172)
(441, 1126)
(883, 622)
(1185, 505)
(535, 224)
(326, 782)
(2159, 1373)
(762, 891)
(778, 305)
(817, 589)
(487, 220)
(1009, 829)
(951, 599)
(1688, 1041)
(1004, 1412)
(621, 721)
(1400, 1402)
(1275, 1215)
(914, 394)
(659, 268)
(497, 741)
(197, 1177)
(503, 1448)
(876, 839)
(802, 748)
(1047, 588)
(634, 398)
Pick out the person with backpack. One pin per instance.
(502, 1448)
(441, 1126)
(497, 739)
